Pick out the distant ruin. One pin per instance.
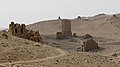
(66, 29)
(74, 35)
(79, 17)
(21, 31)
(89, 44)
(59, 17)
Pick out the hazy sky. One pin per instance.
(29, 11)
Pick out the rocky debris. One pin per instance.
(87, 36)
(115, 54)
(89, 44)
(36, 39)
(5, 35)
(73, 40)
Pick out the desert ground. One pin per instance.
(105, 29)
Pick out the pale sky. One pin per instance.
(30, 11)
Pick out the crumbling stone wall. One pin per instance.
(74, 35)
(89, 44)
(21, 31)
(36, 37)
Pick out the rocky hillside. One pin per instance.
(18, 49)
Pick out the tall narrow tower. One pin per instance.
(66, 28)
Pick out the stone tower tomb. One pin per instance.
(66, 28)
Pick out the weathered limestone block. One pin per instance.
(89, 44)
(59, 35)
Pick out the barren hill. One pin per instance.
(105, 30)
(98, 25)
(17, 49)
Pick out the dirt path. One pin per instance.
(17, 62)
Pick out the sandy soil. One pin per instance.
(17, 50)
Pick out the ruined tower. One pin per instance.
(66, 28)
(11, 28)
(23, 28)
